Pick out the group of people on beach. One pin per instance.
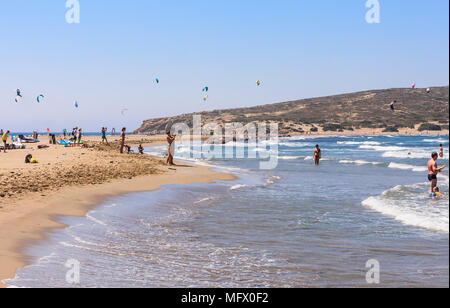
(76, 135)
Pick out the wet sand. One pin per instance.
(70, 181)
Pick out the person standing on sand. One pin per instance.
(113, 131)
(104, 136)
(317, 155)
(74, 134)
(122, 139)
(170, 149)
(433, 171)
(79, 136)
(4, 139)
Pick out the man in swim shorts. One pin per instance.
(433, 171)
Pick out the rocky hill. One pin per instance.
(346, 112)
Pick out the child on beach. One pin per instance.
(141, 149)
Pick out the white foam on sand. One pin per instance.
(90, 217)
(238, 186)
(203, 200)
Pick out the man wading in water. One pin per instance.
(433, 171)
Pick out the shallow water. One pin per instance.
(295, 226)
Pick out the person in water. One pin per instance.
(317, 155)
(122, 139)
(441, 152)
(433, 171)
(170, 149)
(436, 193)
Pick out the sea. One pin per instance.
(294, 226)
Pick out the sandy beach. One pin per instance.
(69, 181)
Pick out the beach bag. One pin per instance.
(28, 158)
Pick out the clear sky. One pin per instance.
(297, 48)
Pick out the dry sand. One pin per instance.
(69, 181)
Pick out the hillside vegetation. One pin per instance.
(346, 112)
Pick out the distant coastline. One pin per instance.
(416, 111)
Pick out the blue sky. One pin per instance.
(298, 48)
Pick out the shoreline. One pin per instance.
(32, 223)
(72, 181)
(29, 218)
